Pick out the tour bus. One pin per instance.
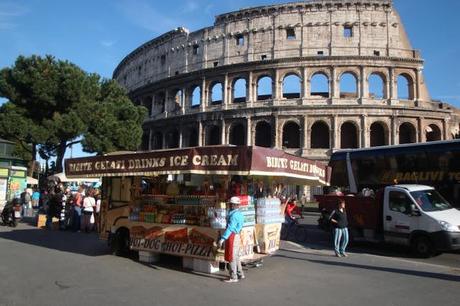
(433, 163)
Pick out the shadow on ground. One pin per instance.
(65, 241)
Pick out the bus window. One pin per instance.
(339, 176)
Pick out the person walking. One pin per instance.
(231, 237)
(25, 201)
(89, 203)
(35, 198)
(77, 204)
(339, 220)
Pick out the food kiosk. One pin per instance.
(174, 201)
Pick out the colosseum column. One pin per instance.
(152, 107)
(249, 131)
(365, 132)
(394, 132)
(393, 87)
(250, 56)
(150, 140)
(250, 89)
(277, 133)
(364, 85)
(204, 100)
(445, 130)
(181, 136)
(223, 138)
(167, 103)
(305, 85)
(418, 79)
(335, 133)
(305, 143)
(226, 94)
(200, 133)
(277, 90)
(421, 130)
(333, 85)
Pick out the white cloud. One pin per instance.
(142, 14)
(10, 11)
(190, 7)
(107, 43)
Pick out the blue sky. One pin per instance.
(97, 34)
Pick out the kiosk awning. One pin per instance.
(209, 160)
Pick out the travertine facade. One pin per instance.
(207, 87)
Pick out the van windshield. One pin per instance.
(430, 200)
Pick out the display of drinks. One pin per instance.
(268, 211)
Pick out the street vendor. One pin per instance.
(231, 237)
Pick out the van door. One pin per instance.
(397, 218)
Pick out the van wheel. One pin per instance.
(120, 243)
(422, 246)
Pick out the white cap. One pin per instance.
(235, 200)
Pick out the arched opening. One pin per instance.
(292, 85)
(348, 85)
(264, 88)
(407, 133)
(193, 138)
(196, 96)
(348, 136)
(378, 135)
(178, 99)
(216, 93)
(319, 85)
(160, 103)
(263, 134)
(172, 139)
(433, 133)
(145, 140)
(291, 135)
(405, 87)
(157, 141)
(239, 91)
(147, 103)
(213, 136)
(320, 136)
(237, 135)
(377, 86)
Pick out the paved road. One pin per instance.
(318, 239)
(41, 267)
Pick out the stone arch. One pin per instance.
(195, 97)
(263, 134)
(407, 133)
(147, 103)
(349, 135)
(377, 85)
(178, 99)
(160, 102)
(193, 137)
(264, 88)
(239, 90)
(291, 135)
(348, 85)
(216, 93)
(292, 86)
(172, 139)
(378, 134)
(157, 141)
(237, 134)
(320, 135)
(213, 135)
(319, 85)
(405, 86)
(433, 133)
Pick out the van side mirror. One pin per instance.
(416, 212)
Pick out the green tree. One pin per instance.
(53, 105)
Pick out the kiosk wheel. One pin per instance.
(120, 243)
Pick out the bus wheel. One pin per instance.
(120, 243)
(422, 246)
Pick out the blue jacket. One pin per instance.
(235, 223)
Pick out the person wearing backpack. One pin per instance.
(77, 206)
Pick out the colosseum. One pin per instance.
(309, 77)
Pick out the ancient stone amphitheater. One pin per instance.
(307, 76)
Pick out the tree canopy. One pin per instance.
(53, 104)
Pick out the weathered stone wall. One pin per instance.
(328, 37)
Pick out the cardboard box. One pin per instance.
(268, 237)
